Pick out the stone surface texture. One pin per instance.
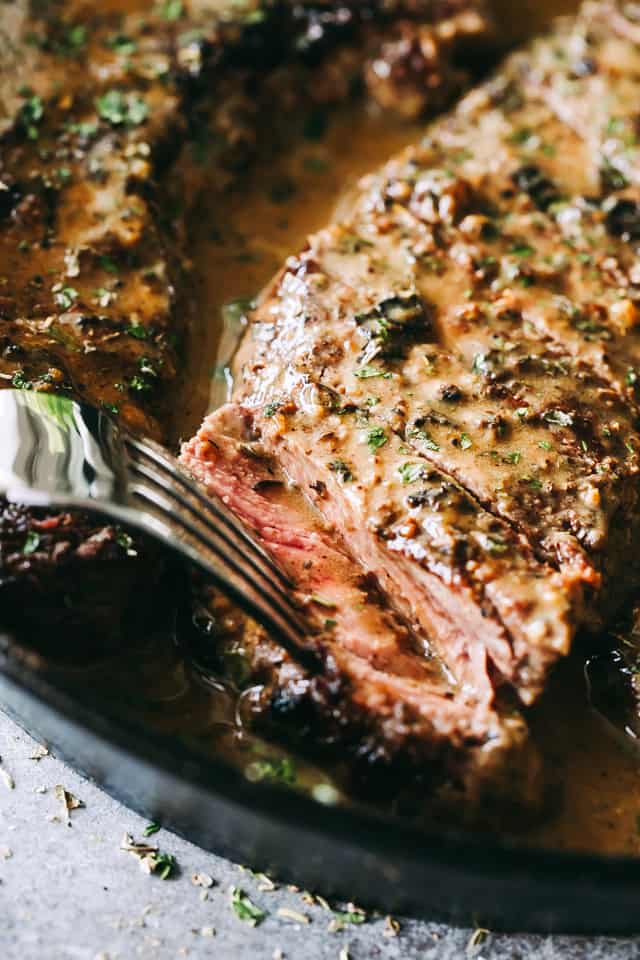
(68, 892)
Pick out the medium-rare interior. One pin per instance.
(447, 371)
(382, 692)
(112, 117)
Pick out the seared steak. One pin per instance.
(383, 693)
(470, 322)
(100, 106)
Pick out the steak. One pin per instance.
(382, 692)
(102, 111)
(469, 325)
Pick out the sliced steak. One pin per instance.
(383, 692)
(442, 320)
(98, 103)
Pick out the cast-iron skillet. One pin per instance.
(451, 875)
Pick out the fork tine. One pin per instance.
(217, 530)
(211, 504)
(272, 609)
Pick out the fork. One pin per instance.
(56, 452)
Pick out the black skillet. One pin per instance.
(452, 875)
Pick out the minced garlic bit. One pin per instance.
(150, 858)
(68, 801)
(391, 927)
(201, 880)
(476, 939)
(8, 779)
(293, 915)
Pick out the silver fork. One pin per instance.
(57, 452)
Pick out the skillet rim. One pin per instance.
(450, 874)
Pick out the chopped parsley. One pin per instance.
(514, 457)
(410, 472)
(244, 909)
(522, 250)
(31, 543)
(545, 445)
(343, 917)
(139, 385)
(31, 113)
(273, 771)
(108, 264)
(376, 438)
(342, 469)
(126, 542)
(171, 9)
(84, 130)
(465, 441)
(19, 381)
(151, 828)
(144, 381)
(272, 408)
(121, 44)
(368, 372)
(164, 864)
(119, 108)
(138, 330)
(76, 36)
(424, 439)
(65, 297)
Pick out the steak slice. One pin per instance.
(428, 323)
(383, 692)
(99, 105)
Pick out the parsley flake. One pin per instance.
(376, 438)
(31, 543)
(410, 472)
(244, 909)
(119, 108)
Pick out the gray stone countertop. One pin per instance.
(69, 892)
